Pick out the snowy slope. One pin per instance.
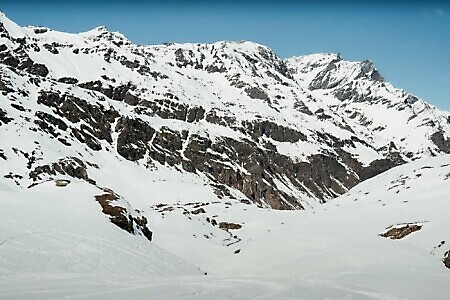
(61, 230)
(373, 108)
(338, 243)
(332, 251)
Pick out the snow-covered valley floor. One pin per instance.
(56, 243)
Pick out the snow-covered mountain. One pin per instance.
(201, 149)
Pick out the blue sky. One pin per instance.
(409, 41)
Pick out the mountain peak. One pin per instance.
(368, 68)
(11, 28)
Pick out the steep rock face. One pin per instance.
(122, 217)
(134, 135)
(441, 142)
(447, 259)
(274, 132)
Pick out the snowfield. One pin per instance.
(55, 243)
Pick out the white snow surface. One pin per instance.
(55, 243)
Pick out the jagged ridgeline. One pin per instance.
(275, 132)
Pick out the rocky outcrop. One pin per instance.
(48, 123)
(4, 119)
(70, 166)
(68, 80)
(166, 146)
(323, 79)
(400, 231)
(446, 259)
(134, 134)
(96, 119)
(441, 142)
(121, 217)
(257, 129)
(19, 59)
(229, 226)
(168, 108)
(120, 92)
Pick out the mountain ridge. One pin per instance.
(310, 121)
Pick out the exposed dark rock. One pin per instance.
(134, 134)
(2, 155)
(369, 71)
(129, 64)
(51, 48)
(249, 163)
(113, 92)
(19, 107)
(262, 166)
(20, 60)
(75, 110)
(68, 80)
(120, 217)
(378, 166)
(225, 120)
(229, 226)
(278, 64)
(410, 99)
(181, 59)
(323, 79)
(166, 146)
(166, 109)
(396, 233)
(301, 107)
(441, 142)
(40, 30)
(320, 175)
(4, 119)
(71, 166)
(131, 99)
(169, 109)
(97, 86)
(37, 69)
(447, 259)
(195, 114)
(120, 91)
(51, 119)
(257, 93)
(48, 123)
(201, 210)
(5, 85)
(14, 177)
(277, 132)
(85, 135)
(215, 69)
